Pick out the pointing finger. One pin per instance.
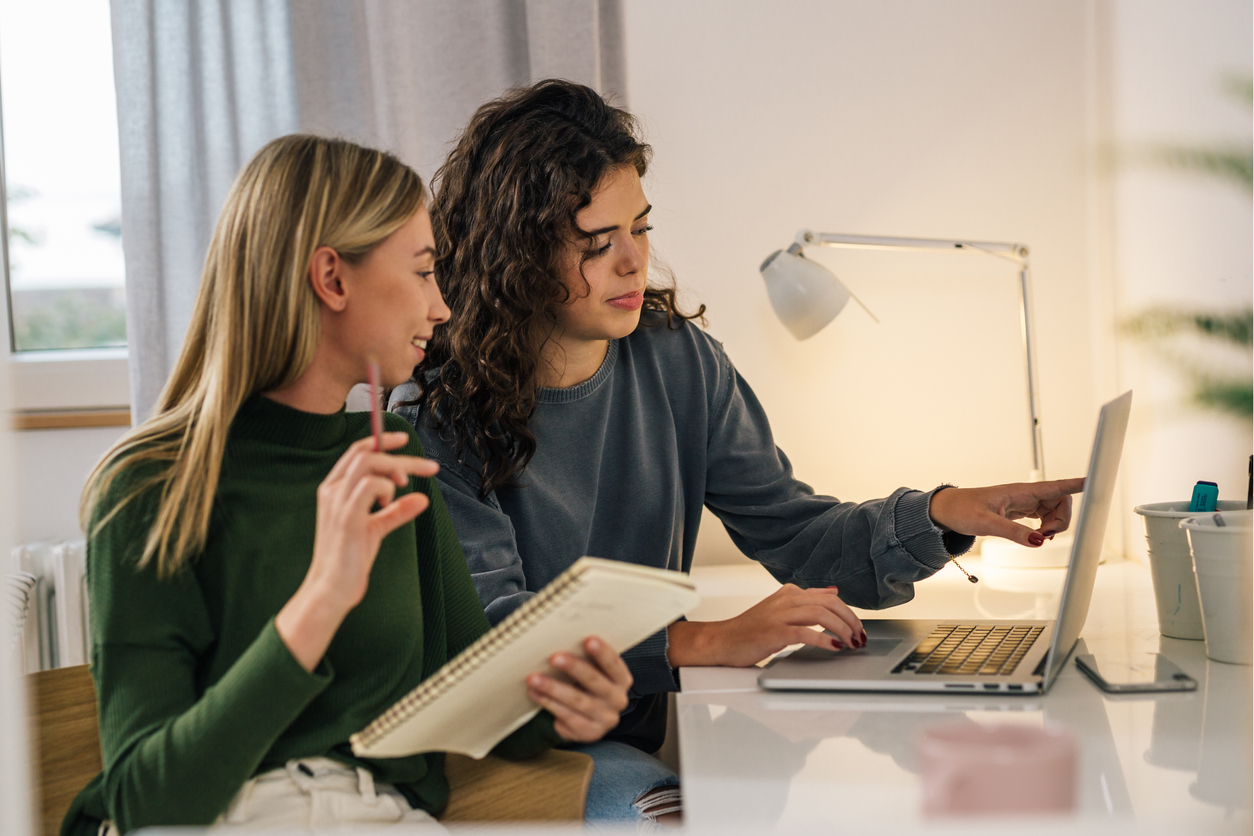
(1056, 489)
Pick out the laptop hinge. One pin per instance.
(1040, 666)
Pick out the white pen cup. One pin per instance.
(1171, 567)
(1221, 545)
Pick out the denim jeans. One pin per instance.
(620, 775)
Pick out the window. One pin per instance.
(65, 271)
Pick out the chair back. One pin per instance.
(66, 736)
(550, 787)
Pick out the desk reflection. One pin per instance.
(1205, 734)
(1225, 770)
(804, 758)
(761, 761)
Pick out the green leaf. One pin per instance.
(1235, 165)
(1159, 323)
(1235, 397)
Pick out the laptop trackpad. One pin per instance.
(874, 647)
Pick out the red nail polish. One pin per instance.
(864, 636)
(837, 645)
(1035, 539)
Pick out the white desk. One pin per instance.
(760, 761)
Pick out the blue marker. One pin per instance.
(1205, 497)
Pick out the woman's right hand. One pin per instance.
(587, 706)
(347, 538)
(784, 618)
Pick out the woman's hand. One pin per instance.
(981, 511)
(346, 540)
(782, 619)
(589, 705)
(349, 532)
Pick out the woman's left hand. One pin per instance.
(980, 511)
(588, 706)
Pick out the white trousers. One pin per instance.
(318, 793)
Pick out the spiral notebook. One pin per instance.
(479, 696)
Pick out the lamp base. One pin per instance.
(1055, 554)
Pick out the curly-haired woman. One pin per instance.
(575, 409)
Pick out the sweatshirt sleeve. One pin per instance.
(873, 551)
(175, 752)
(484, 531)
(467, 621)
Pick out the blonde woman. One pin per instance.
(263, 581)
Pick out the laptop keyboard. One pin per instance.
(979, 650)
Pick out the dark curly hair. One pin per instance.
(505, 206)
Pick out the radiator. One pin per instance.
(55, 632)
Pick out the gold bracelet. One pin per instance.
(970, 576)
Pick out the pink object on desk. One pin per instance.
(971, 769)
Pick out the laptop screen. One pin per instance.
(1090, 532)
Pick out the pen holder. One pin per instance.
(1221, 547)
(1175, 584)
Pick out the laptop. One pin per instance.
(976, 656)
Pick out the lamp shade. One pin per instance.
(805, 295)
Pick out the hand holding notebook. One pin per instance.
(480, 696)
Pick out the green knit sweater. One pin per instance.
(196, 691)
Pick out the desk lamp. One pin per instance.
(807, 296)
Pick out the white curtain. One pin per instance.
(202, 84)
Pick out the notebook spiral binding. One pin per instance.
(469, 660)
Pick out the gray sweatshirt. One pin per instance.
(624, 463)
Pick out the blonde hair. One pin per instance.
(255, 324)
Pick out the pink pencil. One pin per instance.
(376, 397)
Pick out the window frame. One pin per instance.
(58, 382)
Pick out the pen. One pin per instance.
(376, 396)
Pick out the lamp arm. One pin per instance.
(1018, 253)
(807, 238)
(1029, 352)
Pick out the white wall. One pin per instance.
(1180, 240)
(16, 810)
(52, 467)
(968, 119)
